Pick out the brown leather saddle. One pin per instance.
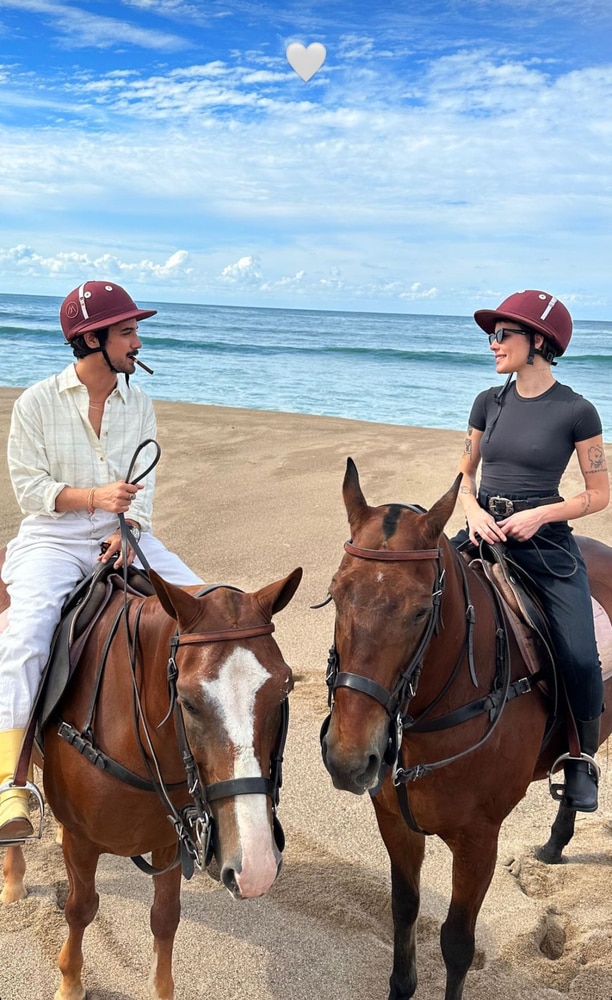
(525, 615)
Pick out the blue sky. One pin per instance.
(447, 153)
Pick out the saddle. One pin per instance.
(82, 610)
(525, 615)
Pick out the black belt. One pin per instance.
(504, 506)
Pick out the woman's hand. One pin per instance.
(525, 523)
(482, 525)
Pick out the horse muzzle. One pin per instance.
(352, 768)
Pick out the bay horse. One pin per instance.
(417, 630)
(181, 701)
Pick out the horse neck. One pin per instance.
(151, 630)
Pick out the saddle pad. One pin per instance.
(603, 634)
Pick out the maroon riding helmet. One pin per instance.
(94, 305)
(536, 310)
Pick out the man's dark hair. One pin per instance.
(80, 349)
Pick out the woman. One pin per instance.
(524, 434)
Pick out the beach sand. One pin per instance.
(245, 497)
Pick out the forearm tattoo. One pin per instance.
(585, 503)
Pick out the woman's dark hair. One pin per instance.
(80, 349)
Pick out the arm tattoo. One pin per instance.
(585, 500)
(468, 443)
(466, 489)
(597, 459)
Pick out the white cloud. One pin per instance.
(244, 271)
(28, 262)
(480, 168)
(78, 28)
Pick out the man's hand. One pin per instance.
(112, 547)
(116, 497)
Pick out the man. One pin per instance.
(71, 442)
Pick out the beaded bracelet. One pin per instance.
(90, 505)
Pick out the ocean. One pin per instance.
(383, 367)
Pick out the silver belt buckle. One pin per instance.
(501, 506)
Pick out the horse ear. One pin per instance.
(175, 601)
(438, 515)
(277, 595)
(354, 500)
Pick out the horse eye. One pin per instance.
(422, 614)
(188, 706)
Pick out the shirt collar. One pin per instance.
(68, 379)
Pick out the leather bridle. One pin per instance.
(394, 702)
(203, 796)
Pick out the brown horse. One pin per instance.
(419, 631)
(181, 700)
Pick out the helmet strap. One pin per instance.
(532, 349)
(108, 360)
(545, 353)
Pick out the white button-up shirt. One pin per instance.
(53, 445)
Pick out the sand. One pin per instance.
(245, 497)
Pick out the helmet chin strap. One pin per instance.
(546, 354)
(103, 352)
(532, 349)
(108, 360)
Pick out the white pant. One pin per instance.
(43, 564)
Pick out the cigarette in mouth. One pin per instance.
(142, 365)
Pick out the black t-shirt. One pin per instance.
(527, 450)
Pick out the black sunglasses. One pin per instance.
(500, 335)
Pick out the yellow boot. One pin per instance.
(15, 822)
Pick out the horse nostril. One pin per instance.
(228, 877)
(373, 767)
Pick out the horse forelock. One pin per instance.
(391, 518)
(394, 521)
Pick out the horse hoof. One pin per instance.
(549, 855)
(12, 894)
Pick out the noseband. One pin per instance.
(394, 702)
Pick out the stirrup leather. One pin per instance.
(30, 787)
(557, 790)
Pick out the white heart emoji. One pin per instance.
(306, 61)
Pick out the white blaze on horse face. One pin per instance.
(234, 691)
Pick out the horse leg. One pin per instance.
(14, 871)
(165, 916)
(81, 860)
(561, 832)
(473, 866)
(406, 850)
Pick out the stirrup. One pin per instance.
(30, 787)
(557, 790)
